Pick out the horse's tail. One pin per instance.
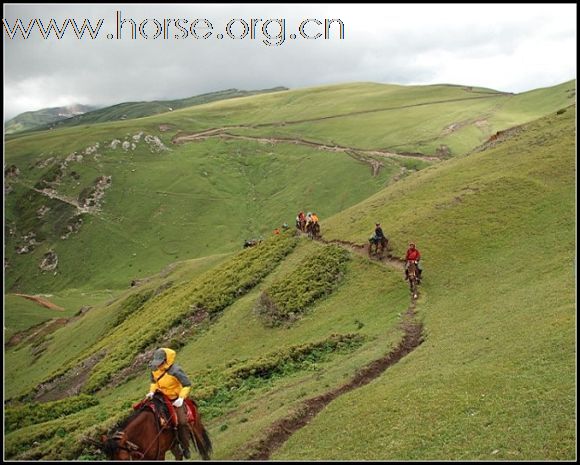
(201, 440)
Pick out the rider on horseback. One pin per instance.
(300, 220)
(379, 235)
(413, 254)
(169, 378)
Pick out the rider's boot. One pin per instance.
(183, 434)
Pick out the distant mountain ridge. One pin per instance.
(132, 110)
(33, 119)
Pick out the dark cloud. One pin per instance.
(465, 44)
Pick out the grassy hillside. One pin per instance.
(494, 378)
(118, 201)
(46, 116)
(324, 346)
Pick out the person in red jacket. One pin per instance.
(413, 254)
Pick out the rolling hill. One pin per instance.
(226, 171)
(46, 116)
(272, 334)
(131, 110)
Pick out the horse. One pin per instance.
(301, 224)
(380, 245)
(313, 230)
(413, 274)
(146, 435)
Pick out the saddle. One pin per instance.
(164, 410)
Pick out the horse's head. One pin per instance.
(118, 447)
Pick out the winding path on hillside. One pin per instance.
(223, 134)
(486, 95)
(280, 431)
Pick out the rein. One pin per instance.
(132, 448)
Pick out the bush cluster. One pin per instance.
(25, 415)
(315, 277)
(212, 292)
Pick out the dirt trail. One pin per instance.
(41, 301)
(222, 134)
(364, 251)
(349, 114)
(279, 432)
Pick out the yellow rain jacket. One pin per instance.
(170, 379)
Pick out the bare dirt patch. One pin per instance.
(41, 301)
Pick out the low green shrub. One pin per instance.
(290, 296)
(212, 292)
(218, 389)
(20, 416)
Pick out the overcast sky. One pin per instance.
(505, 47)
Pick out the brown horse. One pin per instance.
(380, 246)
(144, 436)
(313, 230)
(413, 275)
(301, 224)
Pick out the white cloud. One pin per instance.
(507, 47)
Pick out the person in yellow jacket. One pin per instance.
(169, 378)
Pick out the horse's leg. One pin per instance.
(176, 451)
(413, 284)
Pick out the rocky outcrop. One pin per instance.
(49, 261)
(91, 198)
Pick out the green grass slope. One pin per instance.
(220, 192)
(495, 378)
(131, 110)
(233, 359)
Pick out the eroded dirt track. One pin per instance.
(279, 432)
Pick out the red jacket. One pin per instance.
(413, 254)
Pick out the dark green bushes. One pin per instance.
(216, 391)
(31, 414)
(316, 276)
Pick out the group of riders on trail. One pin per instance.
(308, 223)
(412, 255)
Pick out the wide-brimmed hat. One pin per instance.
(159, 357)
